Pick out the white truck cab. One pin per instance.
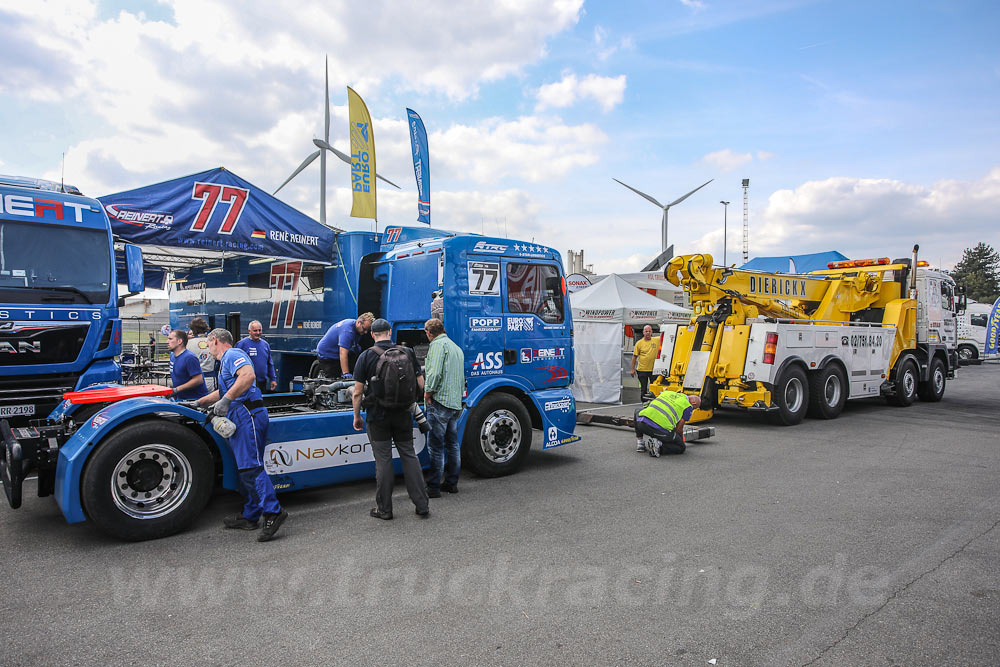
(936, 318)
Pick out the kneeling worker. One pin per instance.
(663, 420)
(239, 400)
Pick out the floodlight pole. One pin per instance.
(725, 212)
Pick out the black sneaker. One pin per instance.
(240, 522)
(434, 493)
(450, 488)
(272, 522)
(379, 514)
(423, 514)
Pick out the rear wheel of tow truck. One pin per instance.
(967, 352)
(791, 397)
(904, 385)
(932, 390)
(497, 436)
(827, 392)
(147, 480)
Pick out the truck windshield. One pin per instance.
(53, 264)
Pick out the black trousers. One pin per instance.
(644, 378)
(384, 431)
(671, 442)
(331, 367)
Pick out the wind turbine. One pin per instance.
(665, 208)
(324, 145)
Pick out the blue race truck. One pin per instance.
(59, 326)
(144, 467)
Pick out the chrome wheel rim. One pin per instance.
(793, 395)
(151, 481)
(938, 380)
(500, 436)
(909, 381)
(831, 390)
(965, 353)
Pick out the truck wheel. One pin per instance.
(497, 436)
(791, 396)
(905, 385)
(827, 392)
(147, 480)
(966, 352)
(932, 390)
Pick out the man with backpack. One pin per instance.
(387, 379)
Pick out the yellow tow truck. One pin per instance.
(792, 344)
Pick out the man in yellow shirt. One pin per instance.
(643, 357)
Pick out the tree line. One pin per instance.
(979, 273)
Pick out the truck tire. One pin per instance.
(967, 352)
(497, 436)
(904, 385)
(791, 397)
(147, 480)
(932, 389)
(827, 392)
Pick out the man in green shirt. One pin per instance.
(444, 384)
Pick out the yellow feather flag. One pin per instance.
(362, 157)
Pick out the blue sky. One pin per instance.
(863, 126)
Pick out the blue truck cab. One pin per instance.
(59, 326)
(505, 305)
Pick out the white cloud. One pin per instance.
(764, 155)
(607, 91)
(606, 49)
(693, 4)
(864, 217)
(533, 148)
(727, 159)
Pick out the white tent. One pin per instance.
(600, 313)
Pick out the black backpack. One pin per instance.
(394, 384)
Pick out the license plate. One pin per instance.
(17, 410)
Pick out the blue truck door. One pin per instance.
(537, 344)
(481, 333)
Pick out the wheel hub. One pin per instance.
(793, 395)
(151, 481)
(831, 390)
(500, 436)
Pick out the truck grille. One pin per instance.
(42, 391)
(30, 388)
(26, 343)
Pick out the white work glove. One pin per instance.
(221, 407)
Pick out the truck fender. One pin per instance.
(790, 361)
(830, 359)
(921, 367)
(74, 454)
(556, 421)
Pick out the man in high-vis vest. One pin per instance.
(663, 420)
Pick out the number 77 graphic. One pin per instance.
(211, 194)
(285, 283)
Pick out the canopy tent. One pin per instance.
(794, 263)
(198, 219)
(600, 314)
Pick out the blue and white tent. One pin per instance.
(794, 263)
(211, 213)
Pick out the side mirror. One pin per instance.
(961, 300)
(133, 266)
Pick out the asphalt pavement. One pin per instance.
(871, 539)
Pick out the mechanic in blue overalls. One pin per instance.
(239, 400)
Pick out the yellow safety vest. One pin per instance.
(666, 410)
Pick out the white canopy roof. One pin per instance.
(615, 300)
